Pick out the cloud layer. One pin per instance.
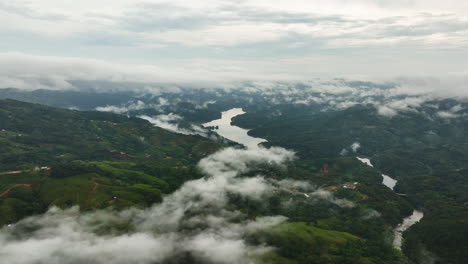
(198, 220)
(218, 40)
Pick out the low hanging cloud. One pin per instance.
(135, 105)
(171, 121)
(453, 112)
(389, 95)
(353, 147)
(195, 219)
(32, 72)
(327, 195)
(198, 220)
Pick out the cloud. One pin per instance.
(389, 95)
(392, 107)
(198, 220)
(370, 213)
(327, 195)
(386, 111)
(133, 106)
(171, 122)
(241, 38)
(344, 152)
(447, 114)
(46, 72)
(195, 219)
(355, 146)
(453, 112)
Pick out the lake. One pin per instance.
(234, 133)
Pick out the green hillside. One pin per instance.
(32, 134)
(301, 243)
(427, 154)
(52, 156)
(97, 160)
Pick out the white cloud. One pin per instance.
(231, 38)
(138, 105)
(198, 219)
(451, 113)
(447, 114)
(44, 72)
(171, 122)
(344, 152)
(217, 232)
(386, 111)
(355, 146)
(327, 195)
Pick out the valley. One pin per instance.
(131, 163)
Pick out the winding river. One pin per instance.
(407, 223)
(234, 133)
(241, 136)
(415, 217)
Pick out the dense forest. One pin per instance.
(99, 160)
(427, 154)
(64, 154)
(128, 158)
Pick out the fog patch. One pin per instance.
(171, 122)
(370, 213)
(355, 146)
(451, 113)
(327, 195)
(198, 220)
(351, 148)
(386, 111)
(133, 106)
(344, 152)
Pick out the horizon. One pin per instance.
(231, 41)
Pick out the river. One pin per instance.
(234, 133)
(408, 221)
(241, 136)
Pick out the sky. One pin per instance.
(207, 40)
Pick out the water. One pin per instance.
(389, 181)
(234, 133)
(408, 221)
(365, 161)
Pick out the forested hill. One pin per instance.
(66, 99)
(58, 157)
(52, 156)
(427, 154)
(32, 134)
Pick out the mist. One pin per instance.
(198, 219)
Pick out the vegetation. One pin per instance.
(428, 155)
(102, 160)
(304, 243)
(52, 156)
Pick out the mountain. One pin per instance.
(101, 160)
(425, 151)
(53, 156)
(66, 99)
(58, 157)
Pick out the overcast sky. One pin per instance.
(228, 39)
